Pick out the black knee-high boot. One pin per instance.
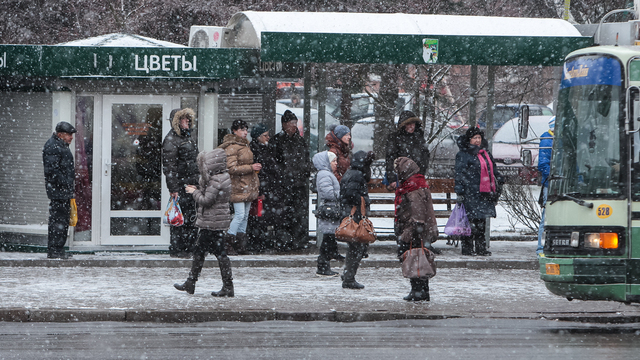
(414, 289)
(227, 279)
(196, 267)
(423, 290)
(352, 262)
(324, 258)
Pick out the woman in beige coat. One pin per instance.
(244, 182)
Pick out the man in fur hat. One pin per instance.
(407, 141)
(179, 165)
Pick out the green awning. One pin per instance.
(408, 49)
(127, 62)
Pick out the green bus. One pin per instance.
(592, 229)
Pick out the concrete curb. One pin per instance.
(182, 316)
(285, 263)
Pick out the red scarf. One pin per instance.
(487, 179)
(413, 183)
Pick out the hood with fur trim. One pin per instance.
(175, 122)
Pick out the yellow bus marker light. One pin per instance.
(552, 269)
(601, 240)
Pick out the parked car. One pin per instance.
(504, 112)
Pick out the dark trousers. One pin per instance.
(328, 248)
(296, 215)
(183, 238)
(352, 260)
(211, 241)
(59, 214)
(476, 243)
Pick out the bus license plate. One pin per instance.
(553, 269)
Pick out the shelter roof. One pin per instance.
(121, 40)
(404, 38)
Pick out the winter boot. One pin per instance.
(466, 244)
(481, 247)
(196, 267)
(241, 244)
(227, 279)
(414, 289)
(229, 243)
(352, 262)
(422, 293)
(324, 260)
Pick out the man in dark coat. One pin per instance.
(59, 174)
(270, 189)
(180, 166)
(407, 141)
(292, 157)
(478, 193)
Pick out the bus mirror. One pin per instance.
(527, 158)
(523, 122)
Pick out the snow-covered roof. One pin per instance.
(399, 24)
(122, 40)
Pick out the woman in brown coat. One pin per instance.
(415, 219)
(244, 181)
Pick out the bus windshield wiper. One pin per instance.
(576, 200)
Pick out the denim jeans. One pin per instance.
(240, 217)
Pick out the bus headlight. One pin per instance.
(601, 240)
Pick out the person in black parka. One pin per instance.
(292, 157)
(407, 141)
(478, 185)
(353, 187)
(180, 166)
(59, 175)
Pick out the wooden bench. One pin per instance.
(441, 190)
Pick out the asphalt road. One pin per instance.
(408, 339)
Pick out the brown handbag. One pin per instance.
(350, 230)
(418, 263)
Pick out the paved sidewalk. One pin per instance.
(139, 287)
(506, 255)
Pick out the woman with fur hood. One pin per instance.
(244, 181)
(416, 224)
(212, 196)
(328, 197)
(478, 185)
(407, 141)
(179, 153)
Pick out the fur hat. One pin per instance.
(473, 131)
(407, 117)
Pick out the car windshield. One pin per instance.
(586, 149)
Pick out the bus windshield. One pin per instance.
(588, 136)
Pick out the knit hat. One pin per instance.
(407, 117)
(331, 156)
(258, 129)
(288, 116)
(341, 131)
(552, 123)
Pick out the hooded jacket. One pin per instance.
(403, 144)
(212, 196)
(467, 180)
(59, 171)
(415, 218)
(328, 189)
(179, 153)
(354, 184)
(342, 151)
(244, 180)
